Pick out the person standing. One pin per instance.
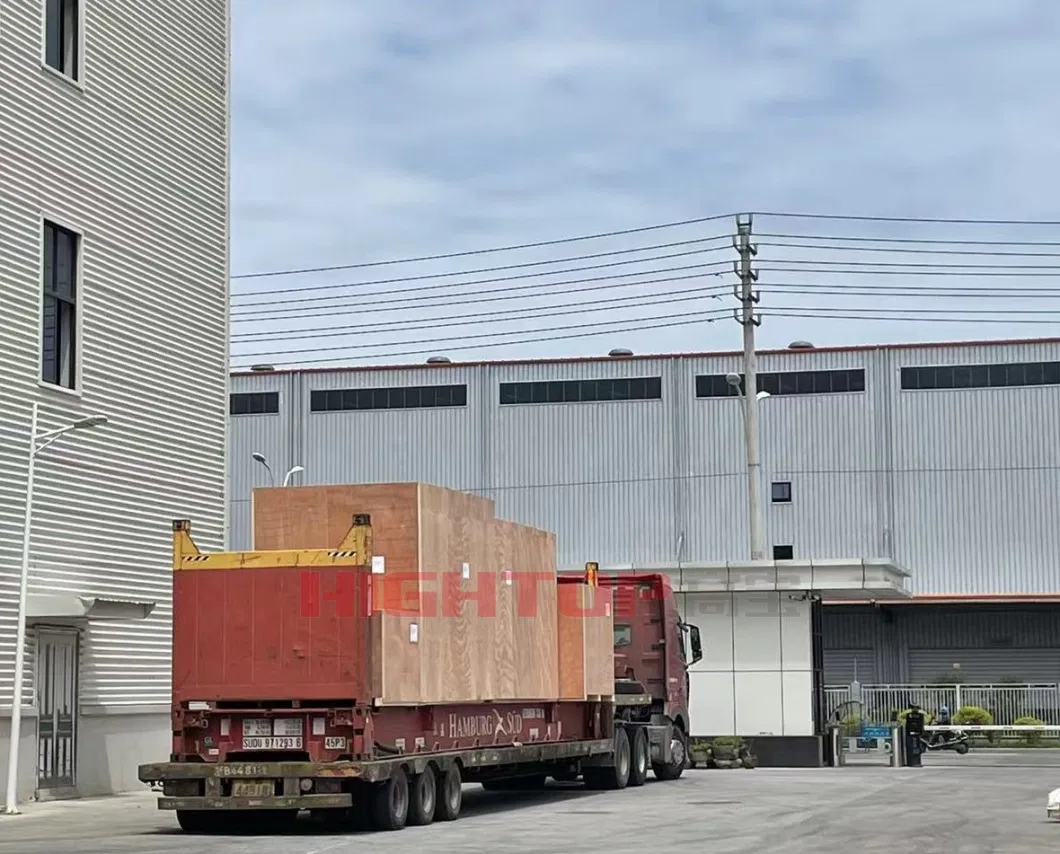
(914, 732)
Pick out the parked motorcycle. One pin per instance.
(954, 740)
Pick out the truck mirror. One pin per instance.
(695, 643)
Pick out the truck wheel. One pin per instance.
(640, 758)
(450, 794)
(615, 776)
(678, 757)
(390, 802)
(200, 821)
(423, 791)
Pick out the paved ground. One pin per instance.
(956, 809)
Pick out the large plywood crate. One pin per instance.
(586, 641)
(450, 623)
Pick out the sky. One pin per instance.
(367, 132)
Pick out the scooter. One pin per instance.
(954, 740)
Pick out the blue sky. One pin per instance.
(370, 131)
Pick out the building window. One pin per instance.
(1014, 375)
(400, 397)
(783, 553)
(59, 307)
(63, 36)
(781, 492)
(787, 383)
(254, 403)
(581, 391)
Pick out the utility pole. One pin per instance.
(749, 319)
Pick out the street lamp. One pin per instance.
(754, 465)
(259, 457)
(37, 443)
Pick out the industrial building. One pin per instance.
(114, 292)
(936, 461)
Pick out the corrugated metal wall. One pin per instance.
(946, 483)
(922, 643)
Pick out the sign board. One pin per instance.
(868, 731)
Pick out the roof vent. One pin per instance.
(619, 352)
(800, 345)
(438, 360)
(260, 369)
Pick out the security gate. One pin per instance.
(57, 660)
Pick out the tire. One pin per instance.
(423, 798)
(678, 757)
(614, 776)
(640, 757)
(390, 802)
(961, 748)
(201, 821)
(449, 794)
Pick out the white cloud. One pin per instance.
(370, 131)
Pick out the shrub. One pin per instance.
(975, 716)
(1031, 739)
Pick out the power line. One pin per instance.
(679, 320)
(922, 318)
(447, 339)
(908, 219)
(905, 271)
(491, 295)
(473, 252)
(913, 240)
(912, 250)
(495, 279)
(521, 266)
(489, 317)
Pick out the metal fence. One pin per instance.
(1006, 703)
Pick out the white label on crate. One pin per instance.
(378, 565)
(226, 726)
(533, 733)
(334, 742)
(272, 743)
(607, 609)
(421, 742)
(399, 743)
(507, 575)
(287, 726)
(320, 726)
(257, 727)
(414, 633)
(465, 570)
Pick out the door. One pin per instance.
(57, 666)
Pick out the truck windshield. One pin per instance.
(623, 635)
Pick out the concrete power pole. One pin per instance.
(749, 319)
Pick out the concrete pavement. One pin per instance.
(972, 810)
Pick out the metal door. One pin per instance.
(57, 666)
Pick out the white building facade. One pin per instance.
(939, 460)
(114, 172)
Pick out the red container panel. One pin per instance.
(271, 634)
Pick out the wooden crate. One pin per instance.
(586, 641)
(447, 627)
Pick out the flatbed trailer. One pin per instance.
(259, 763)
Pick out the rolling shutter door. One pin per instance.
(841, 665)
(984, 666)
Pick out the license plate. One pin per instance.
(334, 742)
(253, 789)
(273, 743)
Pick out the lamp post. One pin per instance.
(749, 408)
(37, 443)
(259, 457)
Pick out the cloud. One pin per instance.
(364, 132)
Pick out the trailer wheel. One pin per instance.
(640, 758)
(614, 776)
(450, 794)
(200, 821)
(423, 792)
(678, 757)
(390, 802)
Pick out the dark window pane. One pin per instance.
(980, 376)
(642, 389)
(53, 44)
(508, 395)
(1035, 373)
(788, 384)
(555, 392)
(588, 391)
(443, 395)
(769, 382)
(783, 552)
(524, 392)
(572, 392)
(653, 391)
(1017, 375)
(910, 378)
(316, 401)
(857, 379)
(413, 397)
(962, 377)
(1052, 373)
(459, 395)
(804, 382)
(944, 376)
(622, 390)
(781, 492)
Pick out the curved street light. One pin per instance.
(37, 443)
